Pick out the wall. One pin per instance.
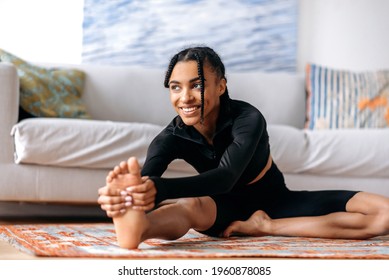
(348, 34)
(42, 30)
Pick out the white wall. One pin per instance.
(42, 30)
(352, 34)
(348, 34)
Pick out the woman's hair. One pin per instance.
(202, 55)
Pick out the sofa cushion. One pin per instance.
(103, 144)
(347, 152)
(84, 143)
(45, 92)
(345, 99)
(279, 96)
(80, 143)
(143, 98)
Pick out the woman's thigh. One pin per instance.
(229, 208)
(307, 203)
(368, 203)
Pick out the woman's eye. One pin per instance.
(197, 86)
(174, 87)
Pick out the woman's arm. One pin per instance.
(248, 131)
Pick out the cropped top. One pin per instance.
(239, 152)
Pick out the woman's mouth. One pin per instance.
(189, 110)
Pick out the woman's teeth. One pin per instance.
(189, 110)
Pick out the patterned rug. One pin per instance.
(98, 241)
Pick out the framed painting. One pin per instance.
(248, 34)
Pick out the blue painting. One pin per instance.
(248, 34)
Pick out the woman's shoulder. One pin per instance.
(247, 117)
(166, 134)
(242, 107)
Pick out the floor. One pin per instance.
(7, 251)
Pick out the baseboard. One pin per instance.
(49, 210)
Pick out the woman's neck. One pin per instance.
(208, 127)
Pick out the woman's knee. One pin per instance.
(376, 210)
(196, 204)
(382, 221)
(382, 218)
(378, 223)
(201, 211)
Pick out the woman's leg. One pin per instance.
(173, 220)
(170, 221)
(367, 216)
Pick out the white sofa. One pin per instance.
(60, 163)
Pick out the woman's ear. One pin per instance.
(222, 86)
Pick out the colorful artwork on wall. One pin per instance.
(248, 34)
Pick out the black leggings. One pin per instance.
(271, 195)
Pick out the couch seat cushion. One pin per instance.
(346, 152)
(84, 143)
(103, 144)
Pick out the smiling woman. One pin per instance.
(190, 100)
(192, 82)
(239, 188)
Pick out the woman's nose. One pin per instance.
(186, 95)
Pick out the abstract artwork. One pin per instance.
(248, 34)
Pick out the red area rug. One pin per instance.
(98, 241)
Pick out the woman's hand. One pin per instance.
(113, 201)
(143, 195)
(140, 197)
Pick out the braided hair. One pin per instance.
(201, 55)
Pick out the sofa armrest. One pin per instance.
(9, 109)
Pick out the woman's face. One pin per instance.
(185, 93)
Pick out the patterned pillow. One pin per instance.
(345, 99)
(49, 92)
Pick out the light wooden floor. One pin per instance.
(8, 252)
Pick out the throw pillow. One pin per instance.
(346, 99)
(49, 92)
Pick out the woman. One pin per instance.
(239, 189)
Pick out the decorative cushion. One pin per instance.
(345, 99)
(49, 92)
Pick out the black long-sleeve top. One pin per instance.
(239, 153)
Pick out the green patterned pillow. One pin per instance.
(345, 99)
(44, 92)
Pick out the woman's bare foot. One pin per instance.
(131, 225)
(257, 225)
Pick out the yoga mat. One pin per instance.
(97, 240)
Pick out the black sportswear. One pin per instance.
(240, 151)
